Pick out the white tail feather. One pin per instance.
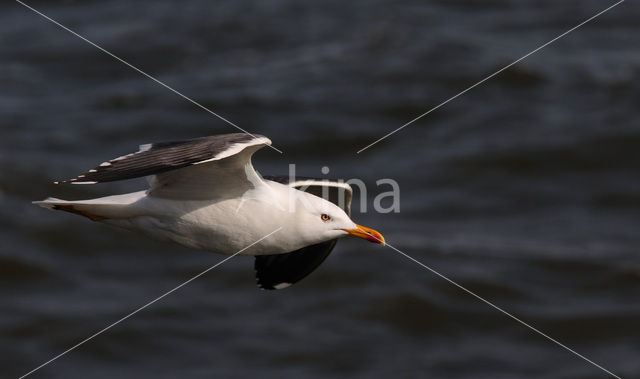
(99, 209)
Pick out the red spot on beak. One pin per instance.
(366, 233)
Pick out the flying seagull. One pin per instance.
(204, 194)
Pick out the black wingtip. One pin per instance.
(272, 287)
(66, 181)
(75, 181)
(279, 271)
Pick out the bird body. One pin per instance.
(205, 194)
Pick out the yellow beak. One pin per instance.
(366, 233)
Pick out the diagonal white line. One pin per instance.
(140, 71)
(490, 76)
(492, 305)
(505, 312)
(145, 306)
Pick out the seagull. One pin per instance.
(205, 194)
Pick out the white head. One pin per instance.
(318, 220)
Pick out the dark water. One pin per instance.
(525, 190)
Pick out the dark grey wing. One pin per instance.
(282, 270)
(161, 157)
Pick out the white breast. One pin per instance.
(226, 226)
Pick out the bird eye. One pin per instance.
(325, 217)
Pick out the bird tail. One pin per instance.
(75, 207)
(101, 209)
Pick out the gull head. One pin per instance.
(319, 220)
